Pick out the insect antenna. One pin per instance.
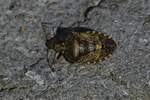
(46, 28)
(51, 63)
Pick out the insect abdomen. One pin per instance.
(87, 48)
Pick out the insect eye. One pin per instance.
(50, 43)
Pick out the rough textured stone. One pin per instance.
(24, 71)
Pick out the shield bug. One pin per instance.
(81, 44)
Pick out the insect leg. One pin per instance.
(59, 55)
(51, 63)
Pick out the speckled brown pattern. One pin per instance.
(82, 45)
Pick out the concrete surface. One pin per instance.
(24, 71)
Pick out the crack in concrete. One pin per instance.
(32, 65)
(86, 12)
(13, 88)
(89, 9)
